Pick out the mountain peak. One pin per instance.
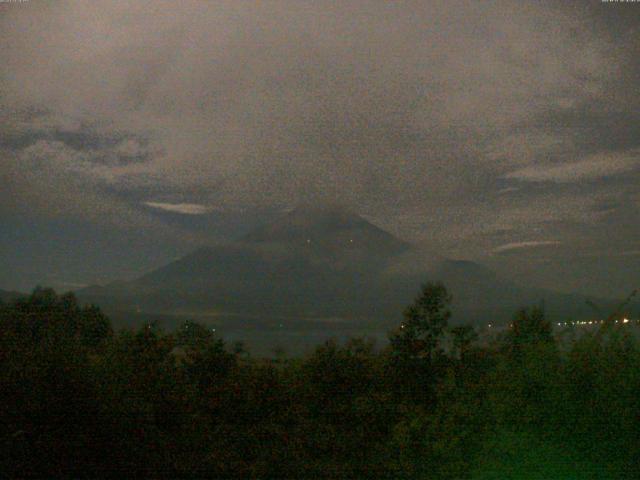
(311, 208)
(324, 215)
(328, 225)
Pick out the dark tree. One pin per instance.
(530, 327)
(463, 337)
(424, 322)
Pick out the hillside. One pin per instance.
(320, 263)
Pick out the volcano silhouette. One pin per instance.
(319, 262)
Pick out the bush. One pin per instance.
(78, 400)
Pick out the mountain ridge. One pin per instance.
(323, 262)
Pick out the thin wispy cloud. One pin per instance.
(184, 208)
(506, 190)
(509, 247)
(591, 168)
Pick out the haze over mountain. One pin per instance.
(491, 131)
(317, 263)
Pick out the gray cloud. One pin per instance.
(449, 122)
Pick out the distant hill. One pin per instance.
(319, 262)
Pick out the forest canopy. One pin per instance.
(438, 402)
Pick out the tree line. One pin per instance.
(78, 399)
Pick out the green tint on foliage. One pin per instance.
(77, 400)
(525, 456)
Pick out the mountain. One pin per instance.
(319, 263)
(481, 296)
(313, 262)
(328, 229)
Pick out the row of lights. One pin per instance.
(585, 322)
(594, 322)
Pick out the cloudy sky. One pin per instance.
(505, 132)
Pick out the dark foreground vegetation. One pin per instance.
(79, 400)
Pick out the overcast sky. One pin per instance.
(502, 132)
